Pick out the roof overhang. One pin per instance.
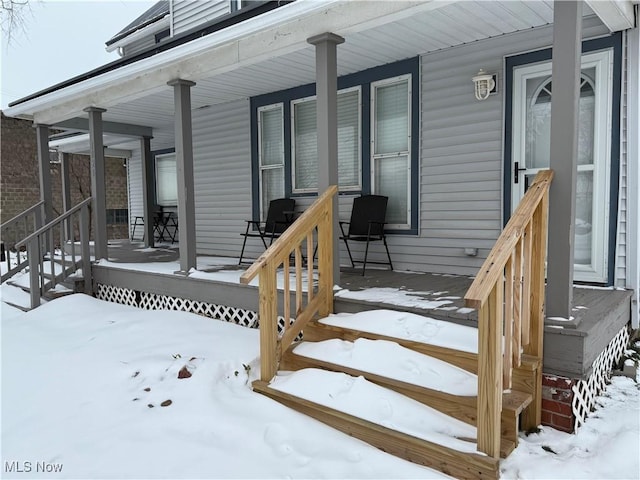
(615, 14)
(253, 46)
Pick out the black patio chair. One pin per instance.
(367, 225)
(279, 218)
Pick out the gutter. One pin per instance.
(149, 29)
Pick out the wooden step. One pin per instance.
(452, 462)
(524, 377)
(461, 407)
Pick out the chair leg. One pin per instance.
(353, 265)
(384, 239)
(366, 253)
(244, 242)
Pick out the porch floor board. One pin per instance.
(598, 313)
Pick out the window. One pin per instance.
(304, 142)
(271, 154)
(236, 5)
(166, 180)
(391, 147)
(117, 216)
(377, 136)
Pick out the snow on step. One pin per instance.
(409, 326)
(366, 400)
(391, 360)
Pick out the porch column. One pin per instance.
(567, 47)
(148, 179)
(98, 185)
(44, 171)
(66, 189)
(184, 172)
(327, 126)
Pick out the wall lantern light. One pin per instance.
(485, 83)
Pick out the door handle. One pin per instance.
(516, 171)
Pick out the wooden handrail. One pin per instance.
(56, 221)
(319, 298)
(508, 293)
(22, 215)
(41, 242)
(31, 219)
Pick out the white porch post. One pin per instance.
(184, 172)
(98, 184)
(327, 126)
(44, 171)
(567, 47)
(147, 190)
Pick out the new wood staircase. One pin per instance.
(508, 293)
(418, 450)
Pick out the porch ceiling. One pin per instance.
(402, 32)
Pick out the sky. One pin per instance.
(93, 389)
(60, 39)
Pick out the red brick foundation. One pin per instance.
(557, 397)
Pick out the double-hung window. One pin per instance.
(270, 154)
(166, 180)
(391, 147)
(304, 142)
(377, 141)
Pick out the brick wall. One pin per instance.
(557, 397)
(19, 183)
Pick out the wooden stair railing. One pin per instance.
(41, 251)
(319, 297)
(15, 229)
(508, 293)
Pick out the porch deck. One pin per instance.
(570, 345)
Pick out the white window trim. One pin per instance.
(159, 201)
(351, 188)
(261, 167)
(603, 63)
(374, 156)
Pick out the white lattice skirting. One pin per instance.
(153, 301)
(586, 391)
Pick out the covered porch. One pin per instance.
(196, 99)
(570, 346)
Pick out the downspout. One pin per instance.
(633, 171)
(171, 18)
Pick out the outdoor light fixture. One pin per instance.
(484, 83)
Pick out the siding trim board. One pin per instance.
(364, 80)
(613, 42)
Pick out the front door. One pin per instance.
(532, 92)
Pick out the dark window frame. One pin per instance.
(364, 79)
(613, 42)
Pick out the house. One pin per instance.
(447, 108)
(19, 167)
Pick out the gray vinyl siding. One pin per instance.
(191, 13)
(222, 170)
(461, 154)
(139, 45)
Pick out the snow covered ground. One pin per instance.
(84, 383)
